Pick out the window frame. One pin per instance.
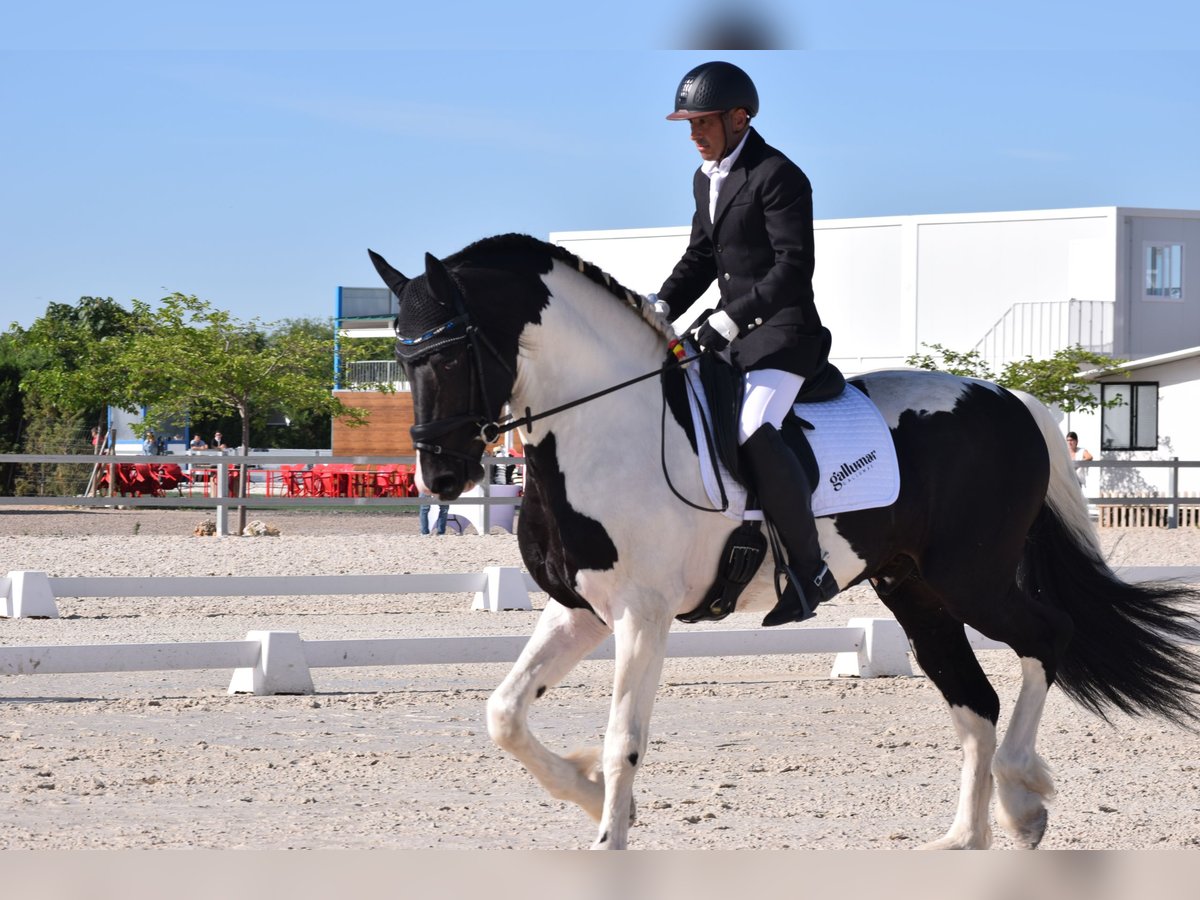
(1149, 297)
(1132, 412)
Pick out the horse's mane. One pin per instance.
(506, 245)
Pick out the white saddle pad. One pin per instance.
(852, 443)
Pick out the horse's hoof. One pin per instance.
(954, 841)
(1030, 835)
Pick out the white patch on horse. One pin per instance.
(1023, 781)
(970, 830)
(588, 340)
(895, 394)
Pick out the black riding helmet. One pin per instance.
(714, 87)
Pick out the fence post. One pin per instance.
(27, 595)
(281, 668)
(505, 590)
(1173, 487)
(488, 473)
(222, 491)
(884, 651)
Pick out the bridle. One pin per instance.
(454, 330)
(458, 328)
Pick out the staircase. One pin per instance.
(1039, 329)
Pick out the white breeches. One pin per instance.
(769, 394)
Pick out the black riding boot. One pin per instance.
(786, 496)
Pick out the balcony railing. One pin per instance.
(1040, 329)
(367, 374)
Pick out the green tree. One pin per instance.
(66, 355)
(201, 361)
(1057, 381)
(52, 385)
(188, 359)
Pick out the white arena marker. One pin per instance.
(505, 590)
(883, 654)
(281, 669)
(27, 595)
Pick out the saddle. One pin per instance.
(746, 547)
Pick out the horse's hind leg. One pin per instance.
(1038, 634)
(942, 650)
(1023, 782)
(562, 637)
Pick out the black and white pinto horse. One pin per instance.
(989, 530)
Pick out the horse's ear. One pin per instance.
(441, 285)
(393, 279)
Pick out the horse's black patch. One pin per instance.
(633, 758)
(541, 691)
(557, 540)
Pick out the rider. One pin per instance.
(753, 233)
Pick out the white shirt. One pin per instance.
(717, 172)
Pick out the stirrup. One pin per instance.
(796, 602)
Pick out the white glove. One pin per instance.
(723, 325)
(660, 306)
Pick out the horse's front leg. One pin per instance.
(640, 647)
(562, 637)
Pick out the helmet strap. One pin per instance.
(731, 137)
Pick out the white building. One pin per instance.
(1008, 284)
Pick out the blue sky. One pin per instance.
(251, 155)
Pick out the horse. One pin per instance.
(989, 529)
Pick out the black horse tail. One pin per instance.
(1128, 648)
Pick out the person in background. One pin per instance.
(149, 444)
(423, 516)
(1078, 455)
(197, 443)
(218, 442)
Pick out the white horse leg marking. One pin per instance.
(640, 647)
(1023, 781)
(562, 637)
(970, 830)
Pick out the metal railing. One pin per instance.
(270, 461)
(1172, 501)
(221, 502)
(365, 374)
(1038, 329)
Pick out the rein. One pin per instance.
(529, 418)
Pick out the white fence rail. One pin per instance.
(279, 662)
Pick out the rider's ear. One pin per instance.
(392, 278)
(441, 285)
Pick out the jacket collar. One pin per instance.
(736, 179)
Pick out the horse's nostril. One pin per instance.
(446, 487)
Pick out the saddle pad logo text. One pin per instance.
(849, 471)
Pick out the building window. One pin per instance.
(1133, 424)
(1164, 272)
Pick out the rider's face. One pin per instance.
(708, 134)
